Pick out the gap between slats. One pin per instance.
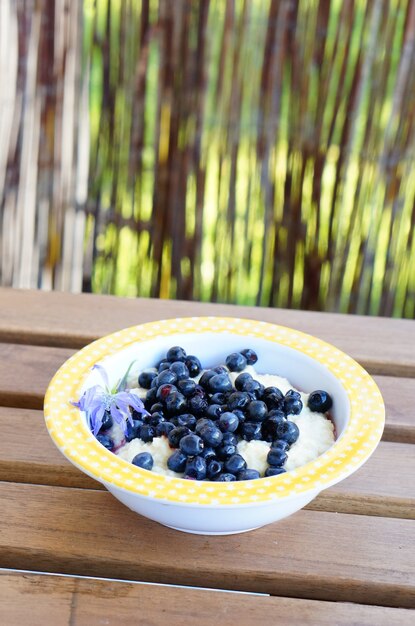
(314, 555)
(32, 596)
(70, 321)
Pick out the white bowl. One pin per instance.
(207, 507)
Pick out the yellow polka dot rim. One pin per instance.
(359, 439)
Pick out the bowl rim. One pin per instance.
(71, 435)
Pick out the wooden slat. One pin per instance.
(399, 397)
(46, 599)
(383, 486)
(314, 555)
(27, 453)
(384, 346)
(25, 372)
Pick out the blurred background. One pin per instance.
(247, 151)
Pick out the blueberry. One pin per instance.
(274, 471)
(235, 464)
(163, 365)
(193, 365)
(191, 445)
(236, 362)
(225, 478)
(257, 411)
(145, 418)
(241, 380)
(107, 422)
(167, 377)
(254, 388)
(105, 441)
(150, 398)
(163, 391)
(164, 428)
(288, 431)
(138, 415)
(197, 404)
(180, 370)
(176, 434)
(214, 468)
(133, 430)
(186, 386)
(229, 438)
(211, 435)
(156, 418)
(143, 460)
(250, 355)
(208, 454)
(147, 433)
(201, 392)
(292, 406)
(214, 411)
(280, 443)
(220, 383)
(276, 457)
(205, 378)
(201, 423)
(224, 451)
(240, 415)
(176, 354)
(175, 402)
(177, 462)
(248, 474)
(186, 419)
(155, 383)
(228, 422)
(195, 468)
(291, 393)
(238, 400)
(218, 398)
(251, 431)
(277, 413)
(273, 398)
(157, 407)
(146, 377)
(319, 401)
(269, 426)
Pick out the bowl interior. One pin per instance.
(306, 361)
(302, 371)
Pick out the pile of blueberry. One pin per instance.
(205, 420)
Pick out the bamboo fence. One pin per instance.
(250, 151)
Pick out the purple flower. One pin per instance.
(97, 400)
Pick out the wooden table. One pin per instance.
(347, 558)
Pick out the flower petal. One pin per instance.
(137, 403)
(87, 398)
(119, 417)
(95, 419)
(103, 373)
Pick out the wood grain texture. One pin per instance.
(68, 320)
(46, 599)
(383, 486)
(28, 454)
(312, 555)
(399, 398)
(25, 372)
